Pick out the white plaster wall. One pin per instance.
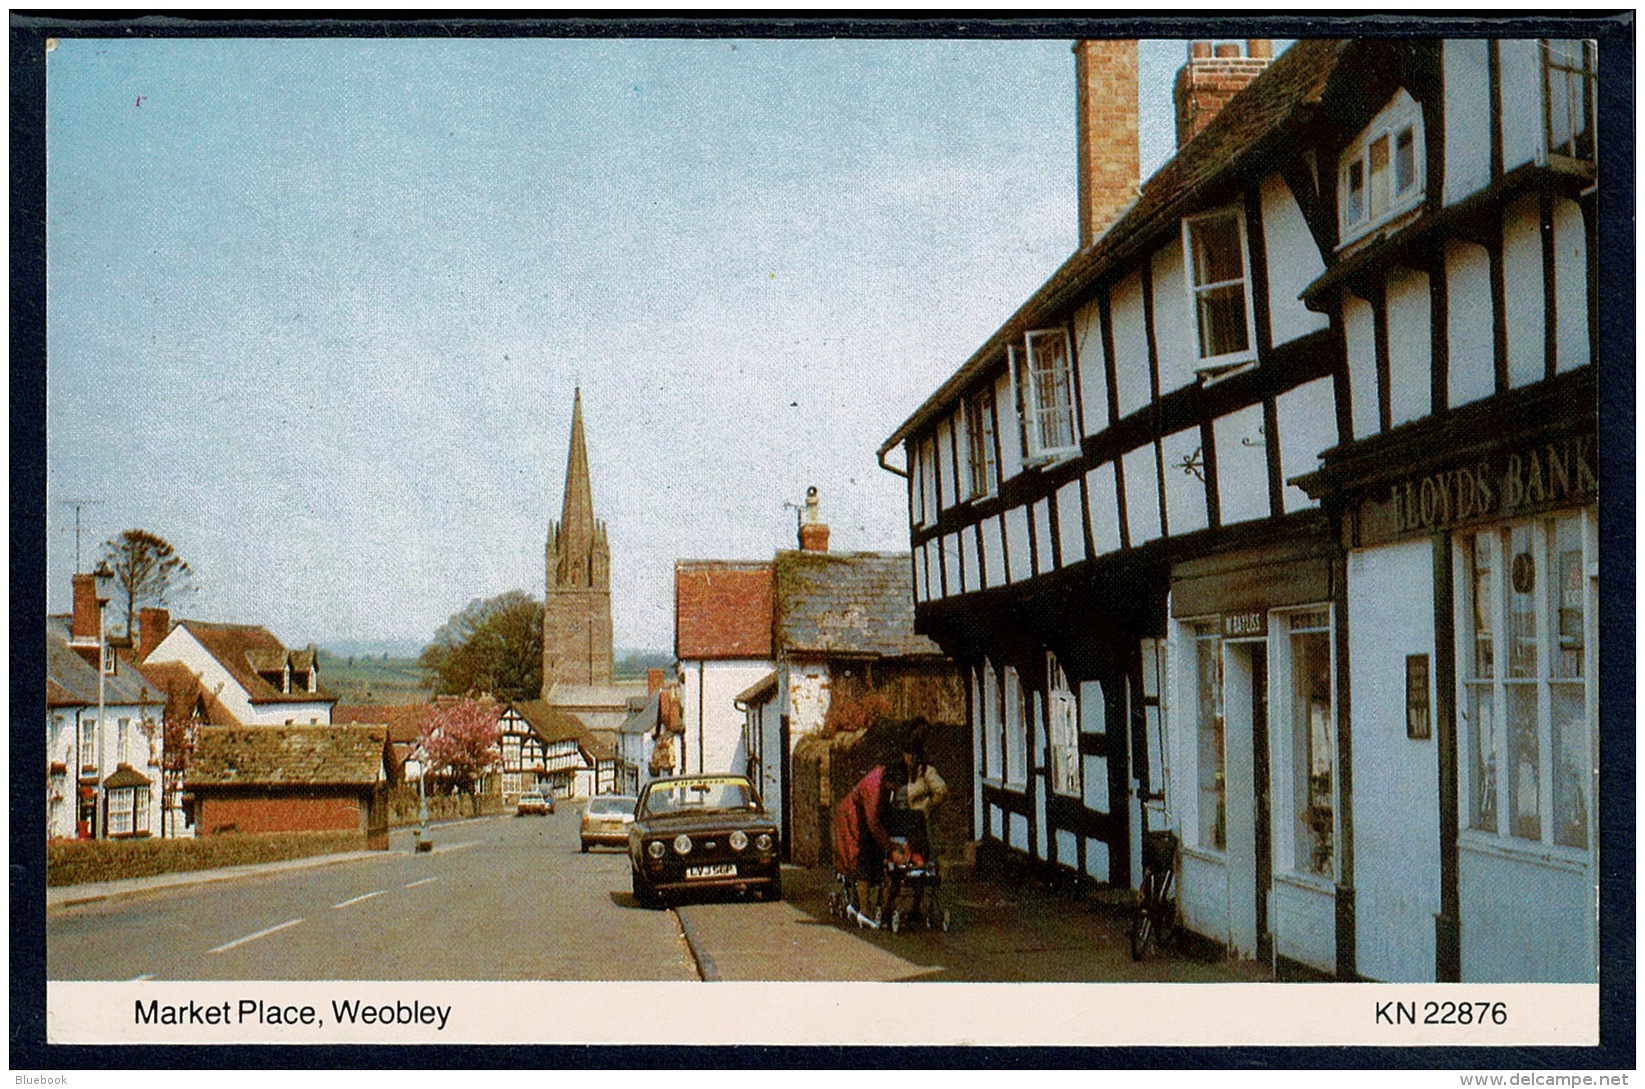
(1044, 557)
(1036, 766)
(1396, 779)
(1185, 507)
(1522, 273)
(933, 568)
(808, 694)
(1471, 352)
(993, 551)
(1019, 831)
(1359, 332)
(928, 481)
(1094, 773)
(1134, 387)
(1410, 346)
(996, 821)
(945, 464)
(1102, 497)
(1521, 102)
(1096, 859)
(182, 646)
(1093, 368)
(771, 769)
(1142, 494)
(919, 575)
(1174, 339)
(1181, 736)
(1202, 895)
(951, 561)
(1071, 523)
(1571, 284)
(1007, 427)
(1242, 465)
(142, 751)
(1467, 117)
(713, 725)
(1017, 544)
(1307, 418)
(1528, 916)
(977, 753)
(1305, 923)
(1068, 848)
(1293, 263)
(968, 555)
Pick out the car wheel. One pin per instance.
(774, 891)
(585, 846)
(642, 892)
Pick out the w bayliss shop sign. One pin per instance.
(1506, 484)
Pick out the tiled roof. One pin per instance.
(290, 755)
(644, 718)
(183, 692)
(404, 720)
(127, 776)
(556, 724)
(848, 603)
(72, 681)
(1252, 125)
(243, 650)
(722, 609)
(758, 689)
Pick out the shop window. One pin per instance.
(1220, 290)
(1044, 374)
(1063, 713)
(1313, 742)
(1570, 80)
(1381, 173)
(1524, 652)
(979, 440)
(1213, 813)
(1016, 730)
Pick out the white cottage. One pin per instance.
(722, 641)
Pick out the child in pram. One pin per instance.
(882, 842)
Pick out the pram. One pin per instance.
(908, 888)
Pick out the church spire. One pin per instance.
(577, 511)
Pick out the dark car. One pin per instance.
(702, 832)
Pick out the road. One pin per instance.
(500, 899)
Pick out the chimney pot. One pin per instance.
(1261, 48)
(1207, 82)
(813, 532)
(1226, 50)
(1200, 51)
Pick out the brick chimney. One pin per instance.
(1105, 76)
(83, 628)
(153, 625)
(1212, 76)
(653, 681)
(813, 532)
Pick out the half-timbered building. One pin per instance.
(1168, 604)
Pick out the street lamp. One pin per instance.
(99, 819)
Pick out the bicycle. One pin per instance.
(1156, 912)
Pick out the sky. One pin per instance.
(317, 307)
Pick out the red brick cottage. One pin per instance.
(292, 779)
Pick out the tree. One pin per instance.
(148, 569)
(493, 646)
(460, 737)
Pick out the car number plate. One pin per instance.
(724, 869)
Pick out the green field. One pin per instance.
(374, 679)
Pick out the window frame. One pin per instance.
(1403, 113)
(1017, 722)
(1031, 414)
(1220, 364)
(1287, 625)
(981, 425)
(1062, 716)
(1587, 78)
(1499, 833)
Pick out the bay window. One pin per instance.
(1526, 662)
(1219, 287)
(1381, 174)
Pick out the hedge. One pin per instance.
(76, 861)
(403, 805)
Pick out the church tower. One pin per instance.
(577, 598)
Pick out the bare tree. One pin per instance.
(148, 569)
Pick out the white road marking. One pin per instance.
(457, 846)
(141, 978)
(357, 899)
(253, 937)
(424, 881)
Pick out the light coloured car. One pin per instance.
(534, 802)
(606, 818)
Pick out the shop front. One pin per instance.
(1253, 749)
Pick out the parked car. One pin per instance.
(533, 801)
(606, 818)
(702, 832)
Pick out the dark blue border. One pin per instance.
(1615, 32)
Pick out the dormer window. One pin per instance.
(1044, 379)
(1220, 289)
(1381, 173)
